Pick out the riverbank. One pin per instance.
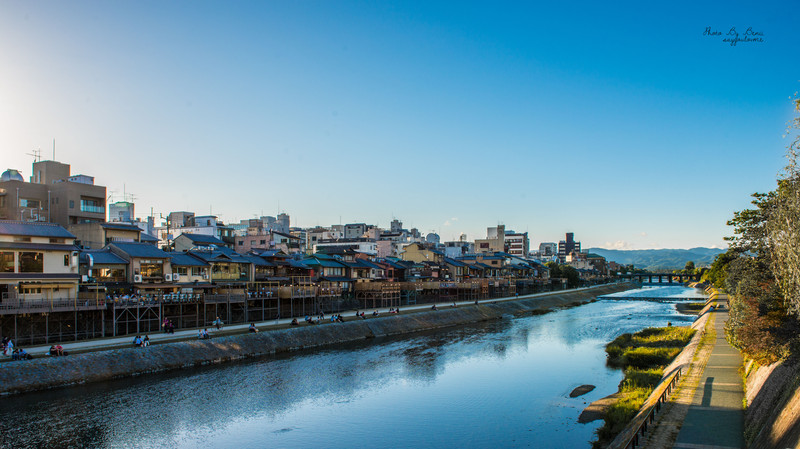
(44, 373)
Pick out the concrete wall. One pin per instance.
(44, 373)
(772, 418)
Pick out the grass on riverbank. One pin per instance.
(644, 356)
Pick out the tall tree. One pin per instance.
(784, 223)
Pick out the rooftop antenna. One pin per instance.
(37, 155)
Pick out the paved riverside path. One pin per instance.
(715, 418)
(188, 334)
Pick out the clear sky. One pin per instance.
(620, 122)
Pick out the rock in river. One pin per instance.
(580, 391)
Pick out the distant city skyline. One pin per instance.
(632, 127)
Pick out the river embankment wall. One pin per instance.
(53, 372)
(772, 417)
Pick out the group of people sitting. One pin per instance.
(139, 342)
(393, 310)
(57, 350)
(203, 335)
(20, 354)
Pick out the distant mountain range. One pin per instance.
(659, 259)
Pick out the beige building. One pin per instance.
(52, 195)
(494, 242)
(98, 235)
(38, 261)
(417, 253)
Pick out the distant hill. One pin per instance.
(659, 259)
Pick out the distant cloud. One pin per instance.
(643, 234)
(450, 221)
(619, 244)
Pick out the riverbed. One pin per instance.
(504, 383)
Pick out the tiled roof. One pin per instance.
(145, 237)
(454, 262)
(102, 257)
(140, 250)
(38, 246)
(203, 239)
(120, 226)
(258, 261)
(184, 259)
(34, 229)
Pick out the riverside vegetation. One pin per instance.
(760, 271)
(643, 356)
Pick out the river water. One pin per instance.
(499, 384)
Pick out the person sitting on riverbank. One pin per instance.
(294, 322)
(434, 307)
(56, 350)
(24, 355)
(252, 329)
(137, 341)
(146, 341)
(339, 318)
(375, 313)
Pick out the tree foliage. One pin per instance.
(565, 272)
(783, 225)
(761, 269)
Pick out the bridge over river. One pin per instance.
(661, 278)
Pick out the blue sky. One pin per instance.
(623, 124)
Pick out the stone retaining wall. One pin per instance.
(772, 418)
(44, 373)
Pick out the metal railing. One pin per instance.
(638, 427)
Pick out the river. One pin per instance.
(499, 384)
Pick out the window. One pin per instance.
(22, 239)
(263, 242)
(30, 262)
(180, 270)
(28, 204)
(196, 271)
(92, 206)
(54, 240)
(66, 260)
(111, 274)
(71, 204)
(152, 270)
(6, 262)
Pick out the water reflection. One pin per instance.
(499, 384)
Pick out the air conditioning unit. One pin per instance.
(176, 277)
(168, 277)
(137, 278)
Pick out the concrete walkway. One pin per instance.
(188, 334)
(715, 418)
